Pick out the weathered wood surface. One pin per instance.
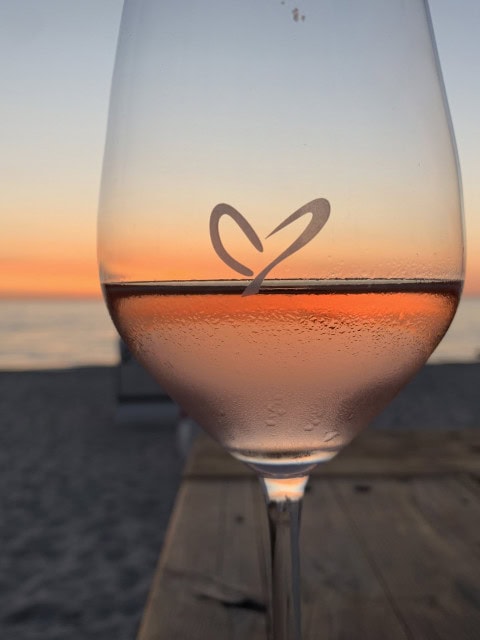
(384, 556)
(382, 452)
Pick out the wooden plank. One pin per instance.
(432, 577)
(380, 560)
(209, 577)
(357, 620)
(383, 557)
(452, 507)
(375, 452)
(211, 581)
(342, 597)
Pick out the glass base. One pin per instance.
(284, 464)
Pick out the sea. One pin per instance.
(58, 334)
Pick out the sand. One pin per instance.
(85, 500)
(84, 507)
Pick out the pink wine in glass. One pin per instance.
(285, 378)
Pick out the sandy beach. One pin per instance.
(85, 501)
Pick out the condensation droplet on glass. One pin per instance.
(331, 435)
(297, 15)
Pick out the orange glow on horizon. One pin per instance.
(472, 280)
(59, 276)
(49, 278)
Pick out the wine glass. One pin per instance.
(280, 228)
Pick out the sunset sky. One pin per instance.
(56, 59)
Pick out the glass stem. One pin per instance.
(284, 524)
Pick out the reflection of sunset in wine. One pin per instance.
(293, 371)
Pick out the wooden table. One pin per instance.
(390, 545)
